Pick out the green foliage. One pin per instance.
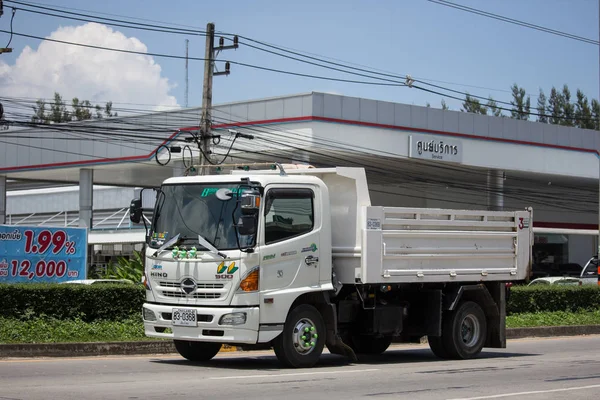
(557, 318)
(125, 268)
(541, 108)
(58, 113)
(553, 298)
(521, 104)
(50, 330)
(71, 301)
(472, 105)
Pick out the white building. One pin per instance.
(414, 156)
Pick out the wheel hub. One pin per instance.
(305, 336)
(470, 330)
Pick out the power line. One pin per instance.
(109, 21)
(202, 59)
(179, 30)
(514, 21)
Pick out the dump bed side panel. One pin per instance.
(435, 245)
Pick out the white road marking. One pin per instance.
(498, 396)
(355, 371)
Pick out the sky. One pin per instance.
(452, 48)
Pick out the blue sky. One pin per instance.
(416, 37)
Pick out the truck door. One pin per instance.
(290, 238)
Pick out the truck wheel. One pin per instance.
(301, 343)
(464, 331)
(197, 351)
(436, 344)
(369, 344)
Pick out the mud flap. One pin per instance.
(333, 341)
(337, 346)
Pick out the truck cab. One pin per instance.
(227, 255)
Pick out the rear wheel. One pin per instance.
(464, 331)
(197, 351)
(301, 343)
(436, 344)
(369, 344)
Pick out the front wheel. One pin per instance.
(301, 343)
(197, 351)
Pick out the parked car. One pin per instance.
(555, 280)
(589, 274)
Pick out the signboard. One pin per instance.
(433, 148)
(42, 254)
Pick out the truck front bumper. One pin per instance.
(157, 318)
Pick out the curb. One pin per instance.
(167, 347)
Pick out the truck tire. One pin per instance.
(301, 343)
(197, 351)
(436, 344)
(369, 344)
(464, 331)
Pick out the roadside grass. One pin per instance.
(556, 318)
(49, 330)
(43, 330)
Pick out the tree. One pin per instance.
(568, 108)
(108, 110)
(58, 110)
(473, 105)
(555, 106)
(444, 105)
(583, 112)
(39, 113)
(541, 108)
(596, 114)
(521, 105)
(81, 110)
(493, 107)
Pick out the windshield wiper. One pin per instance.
(211, 248)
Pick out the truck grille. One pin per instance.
(199, 285)
(194, 295)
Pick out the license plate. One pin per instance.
(184, 317)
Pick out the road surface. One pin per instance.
(555, 368)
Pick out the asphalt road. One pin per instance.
(555, 368)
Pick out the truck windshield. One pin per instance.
(194, 209)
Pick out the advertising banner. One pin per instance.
(42, 254)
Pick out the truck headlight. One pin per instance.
(149, 315)
(238, 318)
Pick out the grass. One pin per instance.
(45, 330)
(556, 318)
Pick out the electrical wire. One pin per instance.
(514, 21)
(14, 11)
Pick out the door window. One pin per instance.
(288, 213)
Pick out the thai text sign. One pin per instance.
(435, 148)
(42, 254)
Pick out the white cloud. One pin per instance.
(87, 73)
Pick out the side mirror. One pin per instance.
(135, 211)
(247, 225)
(250, 203)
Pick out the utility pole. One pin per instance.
(187, 82)
(7, 49)
(205, 121)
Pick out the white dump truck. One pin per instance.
(299, 259)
